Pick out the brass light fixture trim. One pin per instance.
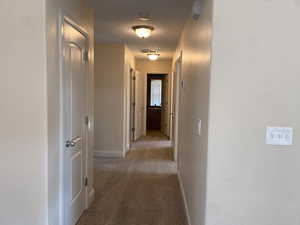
(143, 31)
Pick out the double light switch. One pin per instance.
(279, 136)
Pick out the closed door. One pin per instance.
(173, 113)
(74, 104)
(175, 107)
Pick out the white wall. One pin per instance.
(23, 110)
(78, 11)
(255, 83)
(30, 109)
(112, 67)
(230, 176)
(145, 66)
(195, 45)
(109, 82)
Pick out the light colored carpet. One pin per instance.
(142, 189)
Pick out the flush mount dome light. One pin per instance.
(153, 56)
(143, 31)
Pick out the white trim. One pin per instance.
(176, 99)
(184, 198)
(61, 152)
(108, 154)
(126, 150)
(91, 197)
(127, 106)
(145, 103)
(74, 24)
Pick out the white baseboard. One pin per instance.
(184, 198)
(91, 197)
(108, 154)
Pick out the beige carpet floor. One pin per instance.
(141, 189)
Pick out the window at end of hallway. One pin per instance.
(156, 93)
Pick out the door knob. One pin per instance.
(70, 144)
(73, 142)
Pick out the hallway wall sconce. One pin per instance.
(153, 56)
(143, 31)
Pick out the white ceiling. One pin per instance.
(114, 19)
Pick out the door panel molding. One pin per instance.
(65, 19)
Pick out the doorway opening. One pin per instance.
(156, 99)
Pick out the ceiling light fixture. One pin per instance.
(143, 31)
(153, 56)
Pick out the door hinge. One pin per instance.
(133, 104)
(86, 56)
(134, 78)
(133, 129)
(86, 181)
(86, 120)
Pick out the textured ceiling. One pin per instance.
(114, 19)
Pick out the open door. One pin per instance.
(74, 105)
(132, 105)
(175, 106)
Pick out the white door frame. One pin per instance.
(145, 77)
(132, 110)
(178, 71)
(64, 18)
(127, 133)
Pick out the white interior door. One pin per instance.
(74, 79)
(175, 107)
(139, 105)
(173, 112)
(165, 115)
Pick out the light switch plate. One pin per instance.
(279, 136)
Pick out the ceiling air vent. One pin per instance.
(144, 16)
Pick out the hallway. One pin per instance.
(141, 189)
